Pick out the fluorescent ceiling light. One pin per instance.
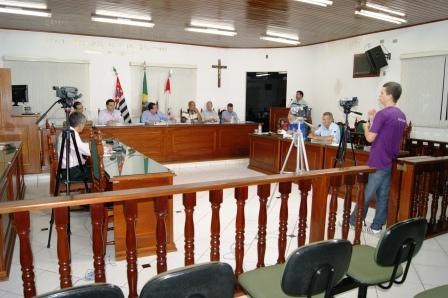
(23, 11)
(282, 35)
(211, 31)
(262, 74)
(122, 21)
(280, 40)
(380, 16)
(35, 5)
(385, 9)
(115, 14)
(212, 24)
(323, 3)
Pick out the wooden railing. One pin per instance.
(426, 147)
(423, 191)
(324, 183)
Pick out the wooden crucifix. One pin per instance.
(219, 67)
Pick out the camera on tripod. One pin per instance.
(67, 95)
(300, 111)
(348, 103)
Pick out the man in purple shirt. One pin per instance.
(385, 135)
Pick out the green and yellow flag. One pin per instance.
(145, 95)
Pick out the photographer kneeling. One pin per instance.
(328, 130)
(77, 172)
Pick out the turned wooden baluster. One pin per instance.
(263, 192)
(161, 209)
(130, 213)
(423, 207)
(98, 238)
(349, 181)
(63, 247)
(304, 187)
(418, 193)
(22, 225)
(443, 208)
(318, 215)
(284, 189)
(241, 197)
(362, 179)
(189, 201)
(215, 198)
(435, 197)
(335, 183)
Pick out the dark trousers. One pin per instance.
(77, 173)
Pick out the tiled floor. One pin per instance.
(429, 268)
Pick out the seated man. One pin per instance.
(78, 107)
(209, 115)
(229, 115)
(153, 115)
(192, 114)
(77, 172)
(328, 130)
(293, 125)
(110, 115)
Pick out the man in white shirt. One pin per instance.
(328, 131)
(77, 172)
(209, 115)
(110, 115)
(229, 115)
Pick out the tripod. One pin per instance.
(68, 136)
(342, 147)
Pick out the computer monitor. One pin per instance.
(19, 93)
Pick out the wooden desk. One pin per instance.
(131, 169)
(12, 187)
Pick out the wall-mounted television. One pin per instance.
(19, 93)
(362, 67)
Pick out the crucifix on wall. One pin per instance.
(219, 67)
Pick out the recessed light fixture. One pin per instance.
(385, 9)
(281, 37)
(122, 19)
(280, 40)
(211, 27)
(380, 16)
(323, 3)
(262, 74)
(25, 8)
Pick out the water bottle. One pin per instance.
(232, 119)
(260, 128)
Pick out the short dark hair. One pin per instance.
(230, 104)
(76, 118)
(394, 89)
(300, 91)
(109, 100)
(151, 106)
(76, 104)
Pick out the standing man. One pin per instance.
(385, 135)
(209, 115)
(299, 99)
(153, 115)
(229, 115)
(110, 115)
(328, 130)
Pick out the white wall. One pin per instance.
(323, 72)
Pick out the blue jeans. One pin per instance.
(379, 184)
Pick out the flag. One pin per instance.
(167, 92)
(145, 95)
(168, 84)
(120, 102)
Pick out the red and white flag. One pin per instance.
(120, 102)
(168, 84)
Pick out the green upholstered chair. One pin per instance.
(383, 265)
(208, 280)
(310, 271)
(86, 291)
(437, 292)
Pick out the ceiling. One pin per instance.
(251, 18)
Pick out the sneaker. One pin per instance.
(370, 230)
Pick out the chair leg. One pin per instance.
(51, 228)
(362, 291)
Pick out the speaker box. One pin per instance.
(376, 57)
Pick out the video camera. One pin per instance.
(300, 111)
(67, 95)
(348, 103)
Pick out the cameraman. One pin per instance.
(77, 172)
(328, 130)
(385, 135)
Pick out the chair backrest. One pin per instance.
(97, 153)
(87, 291)
(316, 268)
(209, 280)
(397, 241)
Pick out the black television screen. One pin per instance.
(376, 57)
(19, 93)
(362, 67)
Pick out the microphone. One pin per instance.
(357, 113)
(290, 101)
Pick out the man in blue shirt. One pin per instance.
(328, 130)
(229, 115)
(153, 115)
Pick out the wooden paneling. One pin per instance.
(275, 113)
(264, 154)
